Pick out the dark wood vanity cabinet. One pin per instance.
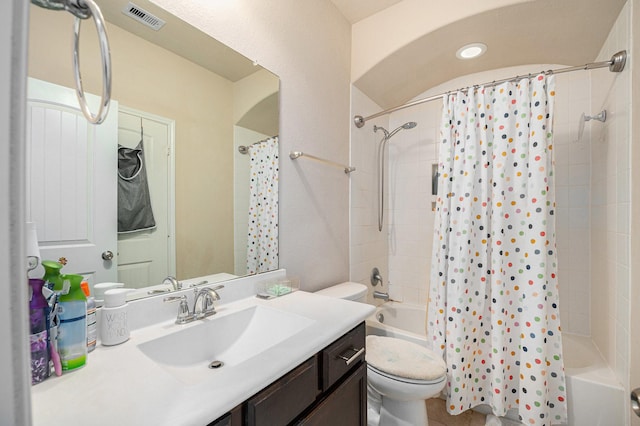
(330, 388)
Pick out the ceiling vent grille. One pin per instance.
(143, 16)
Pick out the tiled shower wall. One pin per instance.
(368, 246)
(610, 205)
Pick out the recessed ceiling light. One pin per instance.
(472, 50)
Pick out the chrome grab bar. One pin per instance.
(294, 155)
(83, 9)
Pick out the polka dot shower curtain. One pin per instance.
(262, 242)
(493, 301)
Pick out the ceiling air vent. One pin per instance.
(143, 16)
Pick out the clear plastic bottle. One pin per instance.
(92, 327)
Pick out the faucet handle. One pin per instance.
(208, 306)
(214, 294)
(184, 315)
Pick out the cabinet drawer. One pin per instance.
(342, 355)
(284, 400)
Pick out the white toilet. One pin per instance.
(349, 291)
(400, 374)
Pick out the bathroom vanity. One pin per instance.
(329, 388)
(284, 361)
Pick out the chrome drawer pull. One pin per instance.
(355, 356)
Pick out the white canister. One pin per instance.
(114, 324)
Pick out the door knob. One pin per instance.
(107, 255)
(635, 401)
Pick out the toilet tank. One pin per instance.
(348, 290)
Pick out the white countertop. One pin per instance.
(122, 386)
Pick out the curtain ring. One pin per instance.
(106, 65)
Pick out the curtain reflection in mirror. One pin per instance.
(262, 242)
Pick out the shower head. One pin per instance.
(407, 126)
(388, 135)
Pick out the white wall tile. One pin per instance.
(610, 192)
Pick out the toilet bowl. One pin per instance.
(400, 374)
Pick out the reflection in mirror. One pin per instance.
(193, 102)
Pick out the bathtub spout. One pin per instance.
(381, 295)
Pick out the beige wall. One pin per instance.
(151, 79)
(307, 44)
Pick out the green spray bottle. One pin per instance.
(72, 331)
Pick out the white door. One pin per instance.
(71, 181)
(147, 257)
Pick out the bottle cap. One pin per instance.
(115, 297)
(85, 288)
(71, 288)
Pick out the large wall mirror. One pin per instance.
(200, 109)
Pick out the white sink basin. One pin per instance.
(231, 338)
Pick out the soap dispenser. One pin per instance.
(100, 288)
(114, 324)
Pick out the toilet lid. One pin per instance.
(348, 291)
(404, 359)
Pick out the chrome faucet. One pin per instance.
(380, 295)
(177, 285)
(208, 296)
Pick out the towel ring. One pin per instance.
(106, 65)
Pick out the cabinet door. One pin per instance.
(232, 418)
(345, 406)
(284, 400)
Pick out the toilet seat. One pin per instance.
(404, 361)
(406, 380)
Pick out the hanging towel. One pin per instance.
(134, 201)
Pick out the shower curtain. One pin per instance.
(262, 242)
(493, 300)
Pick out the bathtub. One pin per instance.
(594, 395)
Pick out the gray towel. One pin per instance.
(134, 201)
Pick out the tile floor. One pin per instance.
(438, 415)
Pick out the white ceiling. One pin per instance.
(180, 38)
(357, 10)
(566, 32)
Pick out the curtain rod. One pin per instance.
(615, 64)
